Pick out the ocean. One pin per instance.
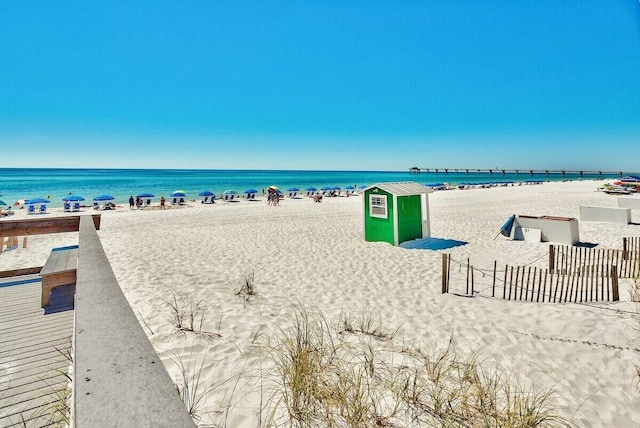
(55, 184)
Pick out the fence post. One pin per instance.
(493, 289)
(614, 283)
(445, 274)
(552, 258)
(625, 249)
(467, 276)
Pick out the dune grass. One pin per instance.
(323, 377)
(187, 315)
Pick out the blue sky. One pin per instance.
(344, 85)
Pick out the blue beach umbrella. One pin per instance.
(349, 188)
(326, 188)
(250, 191)
(335, 188)
(104, 198)
(178, 194)
(505, 230)
(293, 189)
(146, 195)
(229, 192)
(37, 201)
(311, 189)
(205, 193)
(73, 198)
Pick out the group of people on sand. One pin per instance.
(137, 202)
(273, 198)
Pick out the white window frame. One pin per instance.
(381, 202)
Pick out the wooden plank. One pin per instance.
(20, 272)
(41, 226)
(614, 284)
(544, 286)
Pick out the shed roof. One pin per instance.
(402, 189)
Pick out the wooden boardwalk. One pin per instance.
(34, 344)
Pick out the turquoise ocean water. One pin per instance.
(27, 183)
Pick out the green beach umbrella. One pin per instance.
(2, 202)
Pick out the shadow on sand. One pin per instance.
(431, 244)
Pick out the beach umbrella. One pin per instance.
(178, 194)
(326, 188)
(73, 198)
(273, 187)
(363, 187)
(293, 189)
(335, 188)
(229, 192)
(37, 201)
(311, 189)
(250, 191)
(505, 230)
(349, 188)
(146, 195)
(2, 202)
(104, 198)
(205, 193)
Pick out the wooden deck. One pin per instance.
(34, 344)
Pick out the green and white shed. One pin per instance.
(396, 212)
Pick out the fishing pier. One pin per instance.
(500, 171)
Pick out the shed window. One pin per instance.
(378, 206)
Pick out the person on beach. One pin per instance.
(131, 202)
(162, 201)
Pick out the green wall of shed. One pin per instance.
(409, 218)
(378, 229)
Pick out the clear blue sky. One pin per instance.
(346, 85)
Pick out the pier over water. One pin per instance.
(530, 172)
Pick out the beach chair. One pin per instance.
(43, 209)
(96, 206)
(76, 207)
(31, 209)
(67, 207)
(181, 201)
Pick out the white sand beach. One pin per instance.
(314, 254)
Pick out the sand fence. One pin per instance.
(574, 274)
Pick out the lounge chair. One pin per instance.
(96, 206)
(76, 207)
(32, 209)
(43, 209)
(67, 207)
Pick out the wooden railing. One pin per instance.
(118, 378)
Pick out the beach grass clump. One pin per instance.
(187, 315)
(368, 323)
(248, 287)
(190, 385)
(324, 378)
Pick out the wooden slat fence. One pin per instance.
(582, 261)
(534, 284)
